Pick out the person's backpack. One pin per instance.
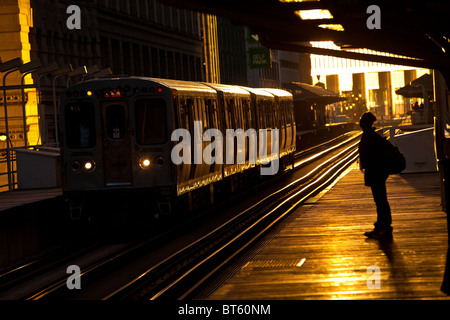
(393, 159)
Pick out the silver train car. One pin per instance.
(167, 145)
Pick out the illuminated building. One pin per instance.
(16, 20)
(371, 82)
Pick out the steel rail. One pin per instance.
(59, 288)
(179, 258)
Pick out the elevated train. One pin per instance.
(118, 142)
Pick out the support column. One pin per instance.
(443, 154)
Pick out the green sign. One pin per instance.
(260, 58)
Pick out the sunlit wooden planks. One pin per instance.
(329, 235)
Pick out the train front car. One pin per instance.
(116, 145)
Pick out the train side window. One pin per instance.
(115, 121)
(247, 114)
(239, 114)
(287, 112)
(204, 109)
(271, 123)
(261, 113)
(80, 125)
(184, 116)
(212, 113)
(282, 112)
(229, 114)
(151, 121)
(233, 114)
(267, 114)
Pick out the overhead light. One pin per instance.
(287, 1)
(335, 27)
(314, 14)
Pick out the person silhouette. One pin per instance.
(375, 175)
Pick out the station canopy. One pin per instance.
(414, 33)
(307, 93)
(416, 88)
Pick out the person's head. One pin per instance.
(367, 120)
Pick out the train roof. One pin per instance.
(278, 92)
(228, 88)
(259, 92)
(188, 86)
(178, 85)
(182, 85)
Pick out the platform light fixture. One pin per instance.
(30, 66)
(335, 27)
(293, 1)
(76, 72)
(314, 14)
(90, 71)
(11, 64)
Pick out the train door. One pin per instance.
(116, 145)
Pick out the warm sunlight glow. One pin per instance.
(335, 27)
(315, 14)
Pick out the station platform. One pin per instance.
(30, 222)
(17, 198)
(320, 251)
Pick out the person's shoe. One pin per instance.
(379, 234)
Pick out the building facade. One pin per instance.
(367, 85)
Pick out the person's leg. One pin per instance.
(383, 227)
(384, 218)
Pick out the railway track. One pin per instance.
(188, 269)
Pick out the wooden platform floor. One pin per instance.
(17, 198)
(321, 252)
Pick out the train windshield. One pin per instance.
(151, 122)
(80, 125)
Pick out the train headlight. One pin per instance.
(160, 161)
(89, 166)
(76, 166)
(145, 162)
